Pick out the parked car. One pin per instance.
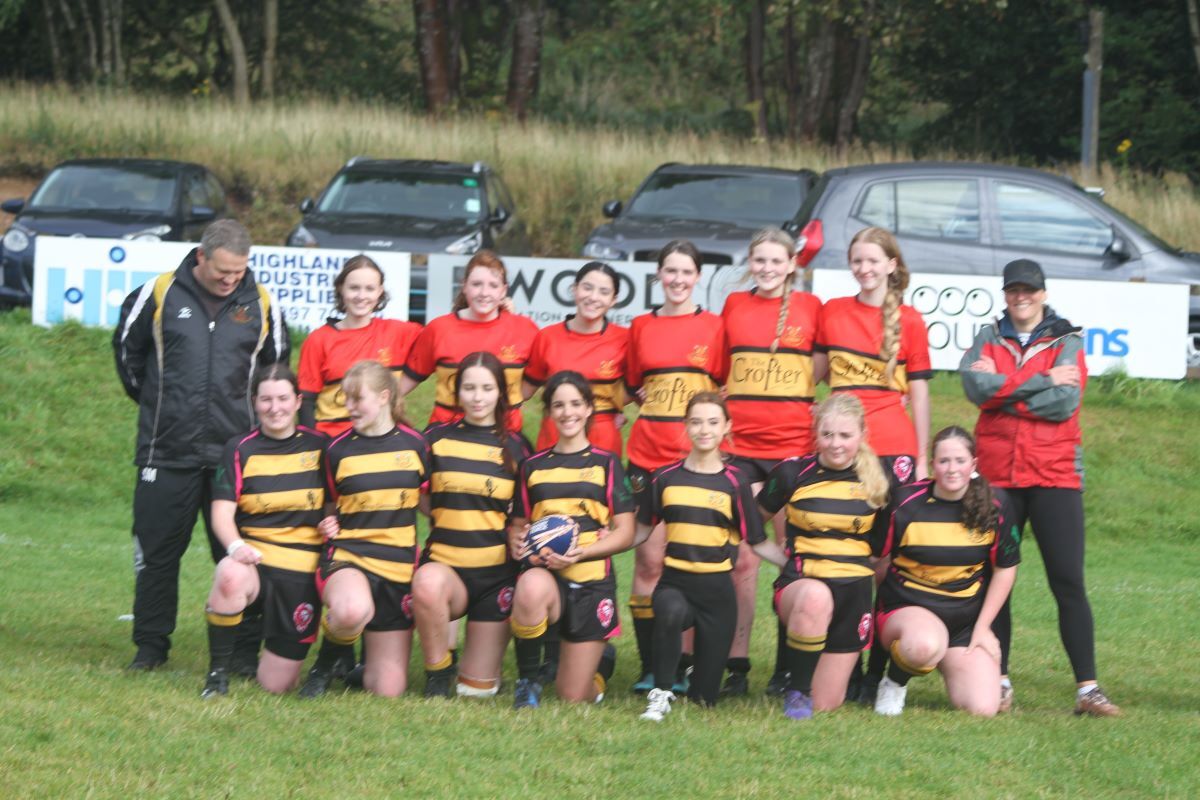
(123, 198)
(974, 218)
(718, 208)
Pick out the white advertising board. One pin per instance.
(88, 279)
(1140, 327)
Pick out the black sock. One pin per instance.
(781, 648)
(877, 662)
(898, 675)
(642, 611)
(608, 662)
(550, 645)
(685, 663)
(222, 638)
(529, 657)
(330, 653)
(741, 665)
(803, 653)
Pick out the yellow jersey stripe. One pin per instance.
(274, 502)
(395, 571)
(828, 546)
(285, 557)
(943, 534)
(696, 497)
(472, 483)
(260, 465)
(468, 557)
(379, 500)
(371, 463)
(566, 475)
(450, 519)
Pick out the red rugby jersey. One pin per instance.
(770, 395)
(599, 357)
(448, 340)
(328, 353)
(672, 358)
(851, 332)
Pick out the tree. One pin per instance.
(756, 25)
(433, 51)
(237, 52)
(525, 67)
(270, 43)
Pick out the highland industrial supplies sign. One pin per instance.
(88, 279)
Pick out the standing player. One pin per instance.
(376, 470)
(269, 495)
(465, 568)
(331, 349)
(949, 539)
(835, 522)
(575, 592)
(1027, 374)
(707, 509)
(588, 343)
(773, 372)
(478, 322)
(675, 351)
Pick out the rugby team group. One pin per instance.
(890, 539)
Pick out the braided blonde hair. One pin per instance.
(896, 284)
(780, 237)
(866, 463)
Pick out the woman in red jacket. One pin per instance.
(1027, 374)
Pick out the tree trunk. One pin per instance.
(117, 20)
(270, 42)
(432, 51)
(755, 34)
(57, 66)
(526, 56)
(791, 85)
(818, 73)
(856, 87)
(106, 66)
(454, 32)
(89, 30)
(237, 52)
(1194, 25)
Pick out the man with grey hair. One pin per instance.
(186, 346)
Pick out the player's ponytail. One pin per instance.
(979, 509)
(488, 361)
(897, 282)
(866, 463)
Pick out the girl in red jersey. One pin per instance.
(675, 351)
(773, 371)
(331, 349)
(588, 343)
(878, 350)
(479, 321)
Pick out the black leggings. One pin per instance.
(707, 602)
(1056, 517)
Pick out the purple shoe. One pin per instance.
(797, 705)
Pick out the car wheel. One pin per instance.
(1193, 349)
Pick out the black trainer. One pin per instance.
(547, 673)
(318, 682)
(441, 682)
(868, 690)
(737, 684)
(217, 685)
(146, 660)
(244, 665)
(353, 679)
(778, 683)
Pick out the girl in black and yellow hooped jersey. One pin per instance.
(952, 555)
(708, 510)
(269, 495)
(465, 568)
(674, 352)
(836, 522)
(376, 470)
(575, 592)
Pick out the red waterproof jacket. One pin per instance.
(1028, 430)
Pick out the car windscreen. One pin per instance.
(1141, 229)
(79, 187)
(751, 200)
(404, 194)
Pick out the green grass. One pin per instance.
(76, 725)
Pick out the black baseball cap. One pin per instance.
(1024, 271)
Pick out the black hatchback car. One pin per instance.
(974, 218)
(123, 198)
(717, 207)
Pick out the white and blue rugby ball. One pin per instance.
(554, 533)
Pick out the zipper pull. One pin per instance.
(212, 325)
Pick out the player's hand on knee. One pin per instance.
(983, 639)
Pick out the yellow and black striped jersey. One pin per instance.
(377, 485)
(279, 486)
(832, 531)
(707, 515)
(935, 556)
(588, 486)
(470, 494)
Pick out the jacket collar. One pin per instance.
(1052, 326)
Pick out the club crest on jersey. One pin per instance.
(406, 605)
(793, 336)
(302, 617)
(504, 599)
(404, 460)
(607, 369)
(864, 627)
(309, 460)
(241, 315)
(586, 473)
(605, 612)
(384, 356)
(715, 498)
(508, 354)
(699, 355)
(902, 468)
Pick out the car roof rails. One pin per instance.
(1097, 191)
(355, 159)
(479, 167)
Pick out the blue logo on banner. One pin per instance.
(117, 254)
(73, 295)
(1104, 342)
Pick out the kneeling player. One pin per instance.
(575, 591)
(268, 497)
(946, 536)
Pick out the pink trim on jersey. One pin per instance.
(731, 473)
(237, 465)
(890, 542)
(662, 471)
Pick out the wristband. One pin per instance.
(234, 545)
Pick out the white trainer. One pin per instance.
(658, 705)
(889, 701)
(467, 690)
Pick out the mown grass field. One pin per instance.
(271, 156)
(74, 724)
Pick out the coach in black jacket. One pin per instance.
(186, 345)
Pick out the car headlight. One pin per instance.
(301, 238)
(16, 240)
(466, 245)
(603, 251)
(154, 234)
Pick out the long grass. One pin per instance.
(76, 725)
(274, 155)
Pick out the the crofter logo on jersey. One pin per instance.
(241, 315)
(855, 370)
(699, 355)
(605, 611)
(864, 627)
(504, 599)
(489, 486)
(792, 336)
(185, 313)
(406, 605)
(508, 354)
(309, 460)
(902, 467)
(302, 617)
(764, 373)
(607, 369)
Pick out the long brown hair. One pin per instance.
(484, 258)
(370, 374)
(896, 284)
(357, 262)
(979, 503)
(866, 463)
(780, 237)
(488, 361)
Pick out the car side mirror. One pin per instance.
(1118, 249)
(499, 216)
(13, 206)
(203, 214)
(306, 205)
(612, 208)
(792, 226)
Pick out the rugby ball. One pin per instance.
(555, 533)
